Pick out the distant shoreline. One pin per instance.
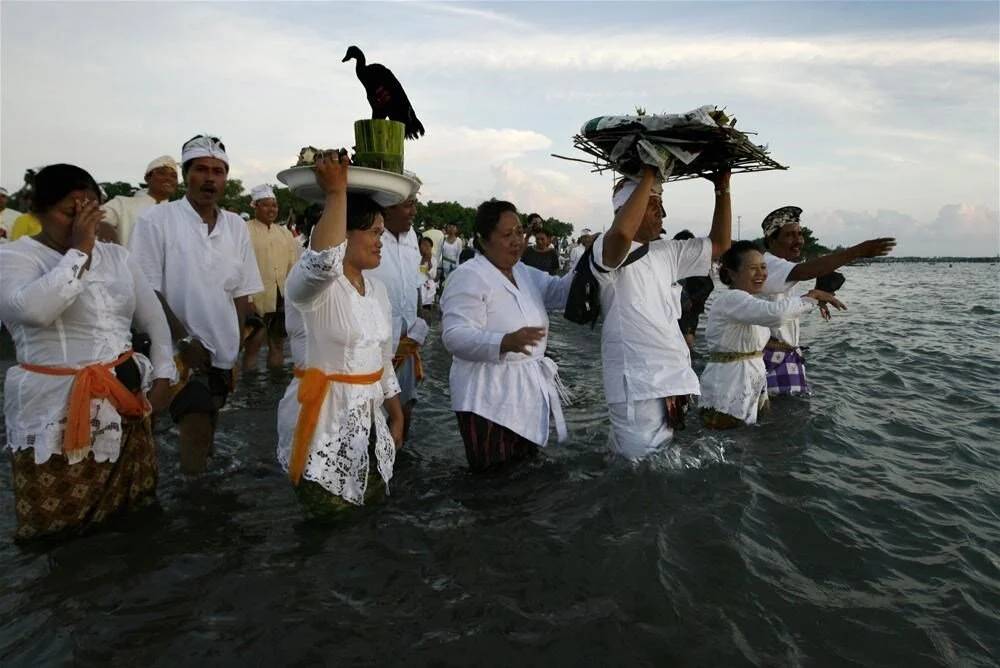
(885, 260)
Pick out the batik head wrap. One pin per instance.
(204, 146)
(778, 218)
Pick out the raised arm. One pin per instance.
(618, 240)
(331, 175)
(37, 301)
(722, 218)
(825, 264)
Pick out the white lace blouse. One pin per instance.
(738, 322)
(343, 332)
(60, 315)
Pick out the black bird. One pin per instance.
(385, 94)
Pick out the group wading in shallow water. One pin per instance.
(198, 285)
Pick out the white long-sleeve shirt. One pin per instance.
(479, 306)
(738, 322)
(399, 272)
(777, 287)
(643, 352)
(340, 331)
(62, 315)
(199, 274)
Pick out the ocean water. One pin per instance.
(858, 527)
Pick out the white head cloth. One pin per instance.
(204, 147)
(162, 161)
(260, 192)
(585, 232)
(627, 187)
(3, 191)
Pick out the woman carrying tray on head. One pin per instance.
(734, 384)
(332, 433)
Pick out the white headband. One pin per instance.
(261, 192)
(204, 147)
(162, 161)
(620, 196)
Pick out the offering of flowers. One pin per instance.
(678, 146)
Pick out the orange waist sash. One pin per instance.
(96, 381)
(409, 348)
(313, 386)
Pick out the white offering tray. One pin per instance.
(386, 188)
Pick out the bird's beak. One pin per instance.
(345, 59)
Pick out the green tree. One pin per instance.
(118, 189)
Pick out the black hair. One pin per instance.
(683, 235)
(361, 210)
(487, 217)
(427, 239)
(732, 259)
(53, 183)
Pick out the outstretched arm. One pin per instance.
(825, 264)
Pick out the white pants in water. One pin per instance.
(638, 428)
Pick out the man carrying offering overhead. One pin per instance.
(646, 362)
(201, 264)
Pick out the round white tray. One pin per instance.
(386, 188)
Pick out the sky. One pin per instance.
(885, 113)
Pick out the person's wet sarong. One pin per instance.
(57, 497)
(786, 369)
(488, 444)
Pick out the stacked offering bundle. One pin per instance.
(679, 146)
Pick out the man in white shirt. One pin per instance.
(276, 251)
(7, 216)
(399, 271)
(646, 363)
(783, 359)
(121, 212)
(201, 264)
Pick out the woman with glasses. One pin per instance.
(333, 436)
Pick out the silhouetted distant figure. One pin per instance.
(385, 94)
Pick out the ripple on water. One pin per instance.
(856, 527)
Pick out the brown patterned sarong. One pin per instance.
(62, 498)
(488, 444)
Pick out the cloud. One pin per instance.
(476, 144)
(958, 229)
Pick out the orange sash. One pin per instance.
(409, 348)
(92, 382)
(313, 386)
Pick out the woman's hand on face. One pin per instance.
(331, 171)
(159, 395)
(522, 340)
(83, 233)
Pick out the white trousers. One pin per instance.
(639, 428)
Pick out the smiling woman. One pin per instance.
(332, 433)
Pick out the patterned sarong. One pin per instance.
(62, 498)
(786, 371)
(488, 444)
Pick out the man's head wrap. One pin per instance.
(585, 232)
(778, 218)
(162, 161)
(260, 192)
(3, 191)
(204, 146)
(624, 189)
